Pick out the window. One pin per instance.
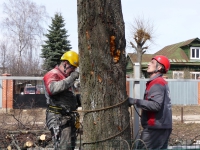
(194, 75)
(194, 53)
(178, 74)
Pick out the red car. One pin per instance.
(30, 90)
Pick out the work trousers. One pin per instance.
(154, 139)
(66, 127)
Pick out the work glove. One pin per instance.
(74, 75)
(69, 81)
(77, 84)
(131, 101)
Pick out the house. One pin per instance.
(184, 59)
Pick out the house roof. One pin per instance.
(145, 57)
(174, 52)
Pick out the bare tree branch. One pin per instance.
(23, 26)
(133, 45)
(142, 33)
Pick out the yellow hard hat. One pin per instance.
(72, 57)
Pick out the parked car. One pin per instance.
(39, 89)
(29, 90)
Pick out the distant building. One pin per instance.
(184, 59)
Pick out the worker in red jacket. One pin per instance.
(61, 101)
(156, 114)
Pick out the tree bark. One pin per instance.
(102, 44)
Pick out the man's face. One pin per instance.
(69, 69)
(152, 66)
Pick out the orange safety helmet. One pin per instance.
(163, 60)
(72, 57)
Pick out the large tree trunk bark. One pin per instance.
(103, 74)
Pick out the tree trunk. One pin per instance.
(103, 75)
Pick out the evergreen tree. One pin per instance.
(56, 43)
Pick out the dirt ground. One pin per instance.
(186, 123)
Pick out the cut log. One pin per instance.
(9, 148)
(43, 137)
(28, 144)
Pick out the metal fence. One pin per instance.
(182, 91)
(20, 100)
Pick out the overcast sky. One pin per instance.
(173, 20)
